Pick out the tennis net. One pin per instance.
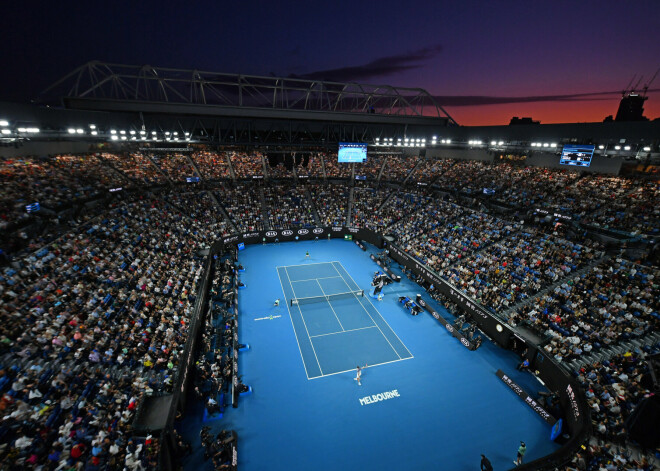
(327, 297)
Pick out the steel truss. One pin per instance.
(146, 84)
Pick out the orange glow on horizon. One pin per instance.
(545, 112)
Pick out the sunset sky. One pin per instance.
(531, 58)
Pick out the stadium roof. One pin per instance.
(115, 87)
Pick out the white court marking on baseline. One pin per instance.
(306, 265)
(354, 369)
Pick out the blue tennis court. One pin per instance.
(336, 326)
(443, 407)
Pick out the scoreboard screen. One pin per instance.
(352, 152)
(577, 155)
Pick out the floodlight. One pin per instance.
(175, 133)
(112, 131)
(79, 131)
(601, 147)
(187, 133)
(646, 149)
(617, 147)
(4, 122)
(114, 137)
(545, 144)
(6, 131)
(143, 132)
(123, 138)
(92, 126)
(501, 143)
(627, 148)
(122, 132)
(167, 133)
(448, 141)
(94, 133)
(132, 132)
(71, 131)
(33, 130)
(553, 145)
(153, 133)
(435, 137)
(492, 143)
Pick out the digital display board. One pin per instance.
(240, 245)
(352, 152)
(192, 179)
(577, 155)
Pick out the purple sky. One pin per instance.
(461, 49)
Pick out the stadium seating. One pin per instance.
(96, 304)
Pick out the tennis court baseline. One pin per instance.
(336, 325)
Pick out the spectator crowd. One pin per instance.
(96, 313)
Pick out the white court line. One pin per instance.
(304, 323)
(372, 305)
(372, 319)
(303, 265)
(346, 371)
(329, 304)
(321, 278)
(294, 327)
(349, 330)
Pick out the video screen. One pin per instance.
(352, 152)
(577, 155)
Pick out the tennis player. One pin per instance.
(277, 302)
(358, 377)
(307, 254)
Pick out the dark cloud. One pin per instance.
(477, 100)
(380, 67)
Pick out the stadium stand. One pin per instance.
(96, 303)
